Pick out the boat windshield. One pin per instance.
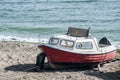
(67, 43)
(84, 45)
(53, 41)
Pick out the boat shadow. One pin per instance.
(31, 68)
(104, 75)
(87, 71)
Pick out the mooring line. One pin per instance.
(19, 75)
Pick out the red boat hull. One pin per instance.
(59, 56)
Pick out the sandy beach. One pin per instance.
(16, 58)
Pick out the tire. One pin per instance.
(40, 62)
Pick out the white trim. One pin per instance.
(108, 49)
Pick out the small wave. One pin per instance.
(37, 30)
(21, 39)
(118, 46)
(65, 21)
(65, 1)
(45, 1)
(76, 1)
(110, 20)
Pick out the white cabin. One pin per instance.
(84, 45)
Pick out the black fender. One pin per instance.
(40, 61)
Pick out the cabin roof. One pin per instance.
(72, 37)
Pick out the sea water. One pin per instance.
(25, 20)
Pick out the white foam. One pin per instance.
(22, 39)
(116, 44)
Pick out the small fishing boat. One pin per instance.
(75, 47)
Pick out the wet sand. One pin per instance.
(17, 57)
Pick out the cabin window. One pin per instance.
(67, 43)
(104, 42)
(84, 45)
(53, 41)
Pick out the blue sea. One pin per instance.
(25, 20)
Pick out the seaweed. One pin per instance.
(118, 50)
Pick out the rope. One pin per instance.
(19, 75)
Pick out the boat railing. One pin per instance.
(43, 39)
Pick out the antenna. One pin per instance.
(34, 6)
